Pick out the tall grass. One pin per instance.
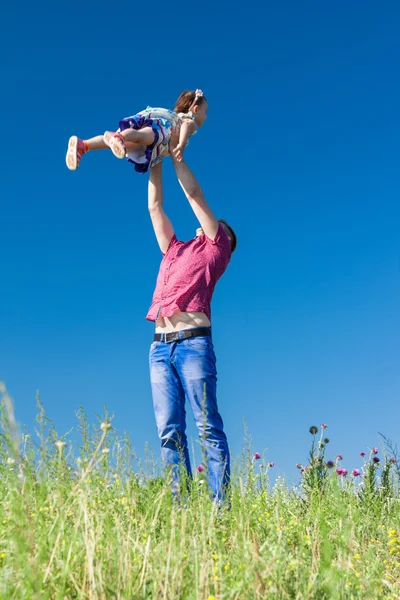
(89, 521)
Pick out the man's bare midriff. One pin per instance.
(182, 320)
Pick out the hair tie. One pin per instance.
(198, 94)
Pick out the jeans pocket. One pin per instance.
(200, 342)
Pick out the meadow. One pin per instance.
(88, 520)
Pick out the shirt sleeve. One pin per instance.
(173, 242)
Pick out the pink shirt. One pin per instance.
(188, 274)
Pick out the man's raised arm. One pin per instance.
(161, 223)
(191, 187)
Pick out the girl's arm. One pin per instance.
(188, 128)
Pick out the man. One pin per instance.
(182, 359)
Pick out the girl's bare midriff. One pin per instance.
(182, 320)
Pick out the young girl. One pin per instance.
(143, 138)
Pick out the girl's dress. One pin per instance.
(161, 120)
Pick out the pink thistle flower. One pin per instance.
(324, 426)
(299, 466)
(374, 450)
(200, 468)
(339, 471)
(330, 464)
(362, 453)
(302, 471)
(271, 464)
(339, 457)
(356, 473)
(257, 456)
(344, 472)
(393, 460)
(376, 460)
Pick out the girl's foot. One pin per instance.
(76, 149)
(116, 143)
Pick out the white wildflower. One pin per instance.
(105, 426)
(60, 445)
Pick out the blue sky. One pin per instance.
(300, 154)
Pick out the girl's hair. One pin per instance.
(186, 101)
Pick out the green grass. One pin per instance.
(89, 521)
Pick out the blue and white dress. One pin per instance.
(161, 120)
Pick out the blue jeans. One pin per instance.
(187, 368)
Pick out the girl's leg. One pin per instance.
(143, 137)
(77, 148)
(95, 143)
(129, 138)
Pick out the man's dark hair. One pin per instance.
(232, 234)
